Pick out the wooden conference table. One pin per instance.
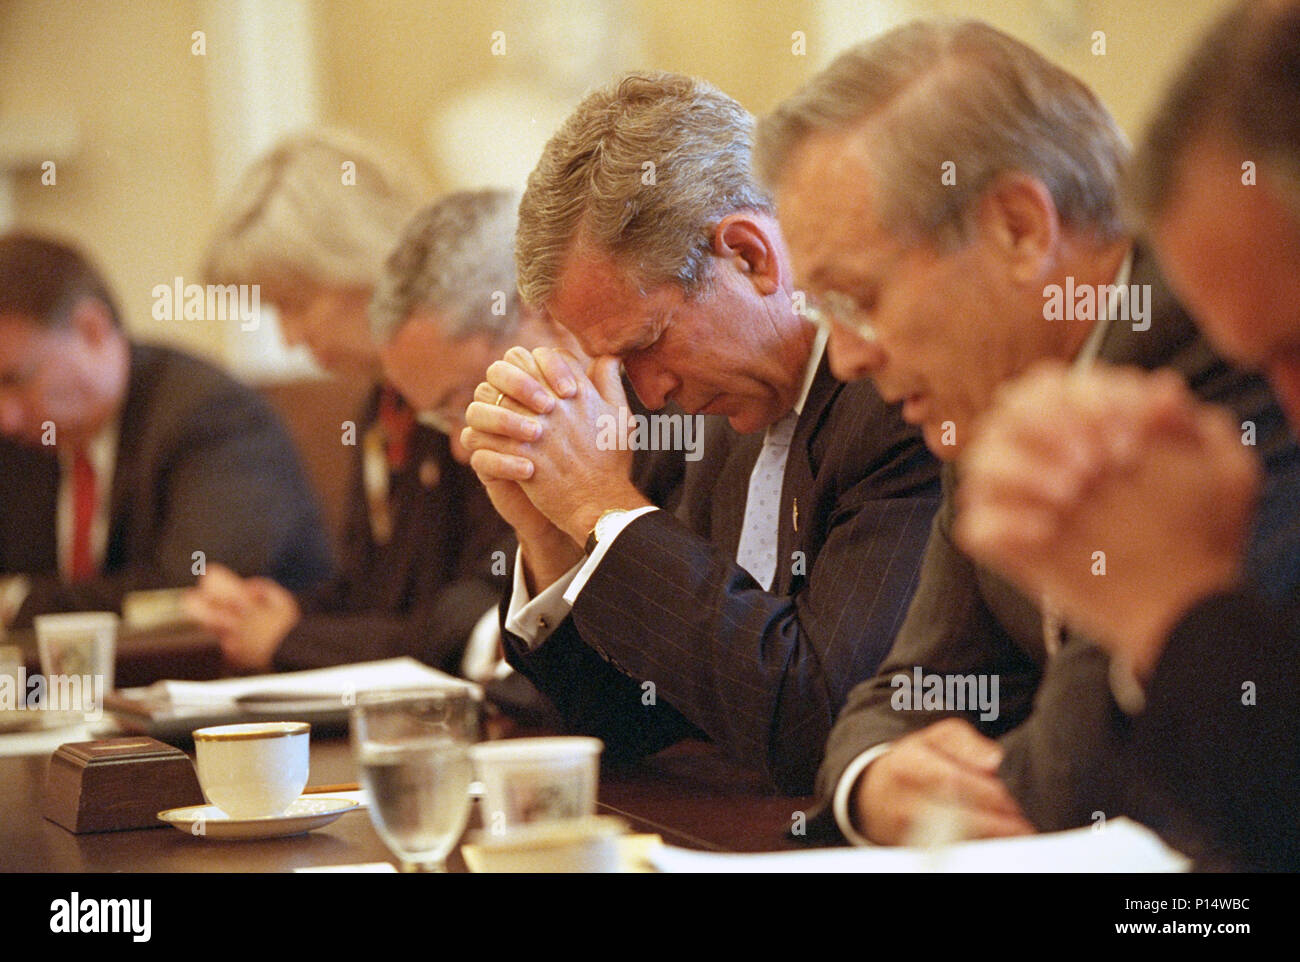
(688, 794)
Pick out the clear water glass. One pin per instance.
(412, 751)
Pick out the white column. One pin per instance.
(261, 80)
(845, 22)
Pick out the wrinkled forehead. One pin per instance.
(827, 202)
(600, 303)
(423, 345)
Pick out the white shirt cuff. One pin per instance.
(480, 658)
(533, 619)
(844, 792)
(615, 525)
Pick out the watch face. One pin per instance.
(601, 531)
(603, 524)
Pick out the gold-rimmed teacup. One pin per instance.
(253, 770)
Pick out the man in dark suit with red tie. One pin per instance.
(781, 580)
(126, 466)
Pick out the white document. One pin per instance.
(1121, 846)
(46, 741)
(336, 682)
(381, 868)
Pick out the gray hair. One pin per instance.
(643, 169)
(965, 93)
(1243, 84)
(321, 206)
(454, 259)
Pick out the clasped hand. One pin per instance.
(249, 616)
(1114, 494)
(536, 428)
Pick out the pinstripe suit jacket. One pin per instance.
(671, 638)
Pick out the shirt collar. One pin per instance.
(101, 450)
(810, 374)
(1092, 346)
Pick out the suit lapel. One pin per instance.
(29, 479)
(1170, 329)
(129, 457)
(797, 484)
(730, 472)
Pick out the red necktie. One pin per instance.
(83, 501)
(397, 419)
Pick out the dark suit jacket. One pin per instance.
(671, 638)
(203, 464)
(1059, 727)
(1215, 757)
(422, 592)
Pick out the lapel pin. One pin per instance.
(429, 473)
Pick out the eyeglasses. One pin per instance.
(839, 308)
(446, 420)
(447, 415)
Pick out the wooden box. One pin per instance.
(118, 783)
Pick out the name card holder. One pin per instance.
(118, 783)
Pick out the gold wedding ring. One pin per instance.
(500, 395)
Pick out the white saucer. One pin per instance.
(307, 813)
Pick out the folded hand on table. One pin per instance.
(1112, 493)
(539, 437)
(249, 616)
(945, 776)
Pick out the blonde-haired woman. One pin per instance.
(312, 223)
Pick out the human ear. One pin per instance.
(91, 319)
(747, 244)
(1018, 215)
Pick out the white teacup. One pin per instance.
(253, 770)
(528, 780)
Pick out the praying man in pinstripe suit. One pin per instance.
(746, 616)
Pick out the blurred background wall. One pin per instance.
(145, 129)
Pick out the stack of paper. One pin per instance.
(171, 710)
(1121, 846)
(336, 683)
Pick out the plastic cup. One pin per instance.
(529, 780)
(82, 646)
